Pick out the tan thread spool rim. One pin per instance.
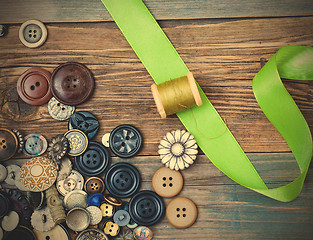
(194, 89)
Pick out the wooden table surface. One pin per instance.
(222, 42)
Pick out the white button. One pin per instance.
(10, 222)
(12, 170)
(3, 173)
(105, 139)
(33, 33)
(74, 181)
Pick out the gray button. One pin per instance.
(121, 218)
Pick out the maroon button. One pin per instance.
(8, 144)
(72, 83)
(33, 86)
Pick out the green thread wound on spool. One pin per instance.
(176, 95)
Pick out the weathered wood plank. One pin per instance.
(223, 66)
(17, 11)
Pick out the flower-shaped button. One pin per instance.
(107, 210)
(111, 229)
(84, 121)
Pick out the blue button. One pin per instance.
(84, 121)
(95, 199)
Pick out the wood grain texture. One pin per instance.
(18, 11)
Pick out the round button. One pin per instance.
(78, 142)
(3, 32)
(94, 185)
(41, 220)
(3, 173)
(20, 140)
(167, 183)
(57, 232)
(33, 33)
(113, 201)
(105, 140)
(146, 208)
(121, 218)
(75, 181)
(4, 205)
(94, 161)
(143, 233)
(20, 232)
(92, 233)
(181, 212)
(8, 144)
(72, 83)
(10, 221)
(60, 111)
(107, 210)
(35, 144)
(95, 215)
(33, 86)
(122, 180)
(78, 219)
(95, 199)
(58, 147)
(76, 198)
(125, 141)
(84, 121)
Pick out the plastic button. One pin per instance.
(111, 229)
(8, 144)
(94, 185)
(146, 208)
(95, 200)
(60, 111)
(72, 83)
(122, 180)
(94, 161)
(78, 142)
(121, 218)
(143, 233)
(84, 121)
(107, 210)
(35, 144)
(125, 141)
(33, 33)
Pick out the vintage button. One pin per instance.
(58, 232)
(125, 141)
(132, 224)
(21, 232)
(20, 140)
(35, 144)
(124, 206)
(8, 144)
(167, 182)
(91, 234)
(57, 149)
(78, 219)
(55, 206)
(72, 83)
(4, 205)
(60, 111)
(3, 32)
(95, 199)
(33, 33)
(33, 86)
(94, 185)
(112, 200)
(181, 212)
(105, 140)
(107, 210)
(143, 233)
(122, 180)
(78, 142)
(146, 208)
(125, 234)
(42, 221)
(76, 198)
(95, 215)
(3, 173)
(94, 161)
(84, 121)
(12, 171)
(18, 183)
(65, 169)
(111, 229)
(36, 199)
(38, 174)
(75, 181)
(121, 218)
(10, 221)
(1, 233)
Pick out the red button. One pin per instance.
(33, 86)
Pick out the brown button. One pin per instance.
(72, 83)
(111, 200)
(167, 182)
(181, 212)
(33, 86)
(8, 144)
(94, 185)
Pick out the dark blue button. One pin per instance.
(94, 161)
(122, 180)
(146, 208)
(95, 199)
(84, 121)
(124, 206)
(125, 141)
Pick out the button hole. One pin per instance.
(164, 178)
(112, 225)
(122, 175)
(164, 185)
(68, 86)
(110, 230)
(178, 215)
(122, 184)
(74, 86)
(94, 162)
(59, 104)
(177, 209)
(184, 209)
(68, 80)
(88, 162)
(94, 156)
(106, 207)
(127, 137)
(3, 141)
(30, 31)
(126, 179)
(171, 178)
(37, 84)
(4, 147)
(75, 79)
(117, 180)
(29, 35)
(171, 184)
(63, 108)
(32, 87)
(88, 155)
(123, 144)
(35, 36)
(35, 31)
(184, 215)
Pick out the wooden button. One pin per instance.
(8, 144)
(72, 83)
(181, 212)
(94, 185)
(167, 182)
(33, 33)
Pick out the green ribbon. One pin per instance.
(163, 63)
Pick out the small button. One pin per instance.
(105, 140)
(94, 185)
(91, 233)
(112, 200)
(95, 199)
(84, 121)
(57, 149)
(132, 224)
(125, 141)
(33, 86)
(121, 218)
(78, 219)
(167, 183)
(33, 33)
(58, 232)
(94, 161)
(20, 140)
(8, 144)
(143, 233)
(35, 144)
(41, 220)
(72, 83)
(95, 215)
(78, 142)
(10, 221)
(3, 173)
(122, 180)
(107, 210)
(181, 212)
(4, 205)
(146, 208)
(60, 111)
(76, 198)
(13, 171)
(75, 181)
(125, 234)
(111, 229)
(3, 32)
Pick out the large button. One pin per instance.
(94, 185)
(181, 212)
(72, 83)
(8, 144)
(84, 121)
(35, 144)
(76, 198)
(75, 181)
(3, 173)
(122, 180)
(167, 182)
(94, 161)
(58, 232)
(78, 219)
(125, 141)
(20, 232)
(4, 205)
(95, 215)
(33, 33)
(146, 208)
(143, 233)
(121, 218)
(78, 142)
(92, 233)
(33, 86)
(60, 111)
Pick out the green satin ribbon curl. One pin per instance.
(163, 63)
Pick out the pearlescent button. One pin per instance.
(143, 233)
(60, 111)
(35, 144)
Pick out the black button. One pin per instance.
(84, 121)
(3, 30)
(4, 205)
(94, 161)
(125, 141)
(20, 232)
(122, 180)
(146, 208)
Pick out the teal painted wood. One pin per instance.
(17, 11)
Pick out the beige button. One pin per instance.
(10, 222)
(167, 182)
(181, 212)
(78, 219)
